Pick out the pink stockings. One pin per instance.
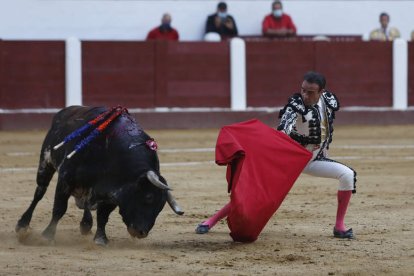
(343, 201)
(222, 213)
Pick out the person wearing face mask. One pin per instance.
(278, 23)
(308, 118)
(384, 33)
(164, 31)
(221, 22)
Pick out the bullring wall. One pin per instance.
(150, 75)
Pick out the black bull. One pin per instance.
(118, 168)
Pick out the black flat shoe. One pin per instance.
(202, 229)
(348, 234)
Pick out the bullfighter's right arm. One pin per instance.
(289, 116)
(288, 121)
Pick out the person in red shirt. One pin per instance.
(278, 24)
(164, 31)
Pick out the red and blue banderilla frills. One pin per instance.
(106, 118)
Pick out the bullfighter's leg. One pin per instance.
(60, 206)
(87, 222)
(102, 214)
(205, 226)
(329, 168)
(44, 175)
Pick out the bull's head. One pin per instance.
(140, 204)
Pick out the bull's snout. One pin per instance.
(137, 233)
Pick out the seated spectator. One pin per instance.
(221, 22)
(278, 24)
(164, 31)
(384, 33)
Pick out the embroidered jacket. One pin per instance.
(303, 123)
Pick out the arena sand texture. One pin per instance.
(296, 241)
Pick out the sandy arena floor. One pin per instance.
(296, 241)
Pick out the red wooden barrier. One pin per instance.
(192, 74)
(32, 74)
(118, 72)
(274, 70)
(156, 74)
(195, 74)
(360, 73)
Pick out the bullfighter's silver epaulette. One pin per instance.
(296, 103)
(331, 100)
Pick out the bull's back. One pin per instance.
(73, 117)
(64, 123)
(120, 150)
(68, 120)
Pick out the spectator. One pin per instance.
(384, 33)
(164, 31)
(221, 22)
(278, 24)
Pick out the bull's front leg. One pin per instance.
(60, 206)
(87, 222)
(102, 215)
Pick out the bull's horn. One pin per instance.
(153, 178)
(173, 204)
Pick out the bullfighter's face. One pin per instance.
(311, 92)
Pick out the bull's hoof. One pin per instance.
(48, 235)
(101, 241)
(85, 228)
(21, 227)
(22, 232)
(22, 224)
(50, 242)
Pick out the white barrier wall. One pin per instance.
(132, 19)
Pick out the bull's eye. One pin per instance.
(149, 198)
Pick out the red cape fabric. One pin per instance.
(263, 164)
